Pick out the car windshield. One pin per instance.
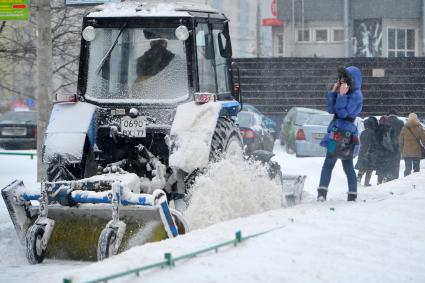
(321, 120)
(144, 64)
(20, 117)
(246, 120)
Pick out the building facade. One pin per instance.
(350, 28)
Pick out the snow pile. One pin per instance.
(193, 123)
(13, 253)
(230, 189)
(379, 238)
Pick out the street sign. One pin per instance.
(13, 10)
(87, 2)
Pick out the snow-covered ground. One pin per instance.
(380, 238)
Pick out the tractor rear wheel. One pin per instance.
(226, 140)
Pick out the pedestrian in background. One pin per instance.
(395, 129)
(385, 149)
(345, 101)
(411, 136)
(366, 163)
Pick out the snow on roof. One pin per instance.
(143, 9)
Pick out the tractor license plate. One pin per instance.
(133, 127)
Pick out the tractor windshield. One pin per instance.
(137, 64)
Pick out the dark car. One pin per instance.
(254, 132)
(18, 130)
(269, 122)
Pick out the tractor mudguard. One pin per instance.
(66, 132)
(196, 122)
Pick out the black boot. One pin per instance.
(321, 193)
(351, 196)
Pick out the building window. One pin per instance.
(401, 42)
(338, 35)
(303, 35)
(280, 44)
(321, 34)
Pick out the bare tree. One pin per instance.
(18, 52)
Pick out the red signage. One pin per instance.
(274, 8)
(19, 6)
(272, 22)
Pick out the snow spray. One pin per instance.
(229, 189)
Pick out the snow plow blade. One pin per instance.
(67, 220)
(293, 186)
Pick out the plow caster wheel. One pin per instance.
(181, 224)
(106, 245)
(35, 251)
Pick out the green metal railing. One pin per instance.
(169, 260)
(31, 155)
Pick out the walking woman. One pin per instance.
(411, 136)
(345, 101)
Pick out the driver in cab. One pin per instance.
(153, 60)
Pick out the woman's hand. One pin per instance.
(335, 87)
(343, 89)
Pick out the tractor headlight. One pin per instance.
(182, 33)
(89, 33)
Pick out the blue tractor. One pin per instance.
(154, 80)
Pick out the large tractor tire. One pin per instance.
(60, 169)
(226, 140)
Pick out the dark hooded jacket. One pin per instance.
(346, 107)
(385, 153)
(368, 145)
(395, 128)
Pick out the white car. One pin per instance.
(309, 135)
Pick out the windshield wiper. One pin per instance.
(106, 57)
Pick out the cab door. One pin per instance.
(213, 61)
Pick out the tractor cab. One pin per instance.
(150, 54)
(138, 63)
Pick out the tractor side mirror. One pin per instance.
(224, 45)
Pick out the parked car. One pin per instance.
(293, 120)
(309, 135)
(254, 132)
(18, 130)
(269, 122)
